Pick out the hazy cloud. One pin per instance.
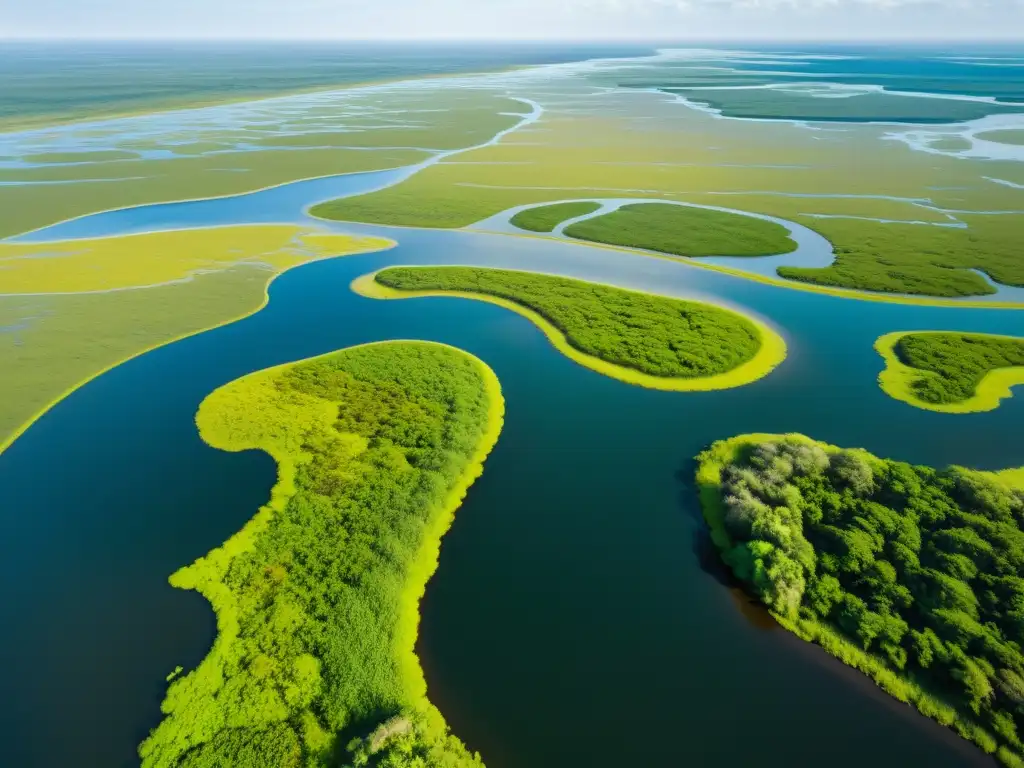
(380, 19)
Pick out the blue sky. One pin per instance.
(559, 19)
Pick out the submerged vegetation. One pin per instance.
(913, 575)
(545, 218)
(952, 372)
(685, 231)
(653, 341)
(317, 596)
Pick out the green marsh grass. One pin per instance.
(951, 372)
(639, 338)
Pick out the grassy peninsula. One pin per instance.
(118, 297)
(317, 596)
(910, 574)
(951, 372)
(652, 341)
(545, 218)
(685, 231)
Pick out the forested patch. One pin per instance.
(316, 598)
(959, 361)
(914, 575)
(545, 218)
(655, 335)
(685, 231)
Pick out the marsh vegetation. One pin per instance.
(545, 218)
(959, 360)
(655, 335)
(59, 329)
(949, 371)
(685, 231)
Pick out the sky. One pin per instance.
(516, 19)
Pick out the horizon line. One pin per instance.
(493, 39)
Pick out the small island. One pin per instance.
(317, 597)
(910, 574)
(639, 338)
(545, 218)
(951, 372)
(683, 230)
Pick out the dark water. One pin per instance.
(572, 620)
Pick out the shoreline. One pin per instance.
(895, 379)
(900, 688)
(421, 568)
(769, 356)
(14, 238)
(777, 282)
(6, 443)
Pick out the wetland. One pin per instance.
(578, 590)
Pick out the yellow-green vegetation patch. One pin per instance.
(1009, 136)
(317, 597)
(683, 230)
(545, 218)
(652, 341)
(52, 343)
(130, 261)
(910, 574)
(951, 372)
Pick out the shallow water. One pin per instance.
(572, 597)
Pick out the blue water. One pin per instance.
(577, 617)
(965, 69)
(282, 204)
(572, 598)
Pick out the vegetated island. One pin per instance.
(545, 218)
(639, 338)
(950, 372)
(682, 230)
(317, 596)
(910, 574)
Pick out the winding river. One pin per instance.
(576, 618)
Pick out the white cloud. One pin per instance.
(553, 19)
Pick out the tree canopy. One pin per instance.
(317, 597)
(921, 571)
